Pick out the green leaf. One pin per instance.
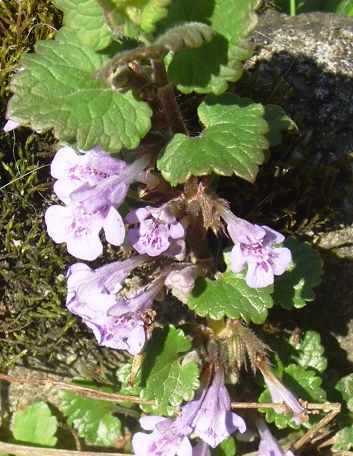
(191, 35)
(304, 384)
(135, 15)
(56, 90)
(91, 418)
(163, 378)
(345, 7)
(232, 142)
(277, 121)
(231, 297)
(295, 287)
(228, 447)
(36, 424)
(345, 386)
(310, 352)
(153, 12)
(344, 439)
(210, 68)
(86, 19)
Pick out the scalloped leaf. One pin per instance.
(345, 386)
(210, 68)
(91, 418)
(305, 384)
(230, 296)
(163, 378)
(36, 424)
(295, 287)
(186, 35)
(56, 90)
(344, 439)
(190, 35)
(277, 121)
(232, 142)
(310, 352)
(86, 19)
(135, 15)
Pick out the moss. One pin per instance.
(33, 319)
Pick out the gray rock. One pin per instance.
(305, 64)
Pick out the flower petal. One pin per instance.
(64, 187)
(272, 236)
(86, 246)
(259, 275)
(281, 257)
(11, 125)
(114, 228)
(148, 423)
(237, 259)
(58, 220)
(65, 159)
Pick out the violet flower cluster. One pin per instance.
(207, 416)
(119, 322)
(91, 187)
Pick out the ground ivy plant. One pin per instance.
(140, 96)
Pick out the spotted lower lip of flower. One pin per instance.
(281, 395)
(156, 230)
(126, 332)
(80, 230)
(160, 443)
(269, 446)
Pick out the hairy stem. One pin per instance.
(167, 98)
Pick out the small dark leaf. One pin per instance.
(295, 287)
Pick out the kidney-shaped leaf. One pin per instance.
(57, 90)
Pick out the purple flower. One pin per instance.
(113, 189)
(181, 282)
(214, 421)
(165, 442)
(254, 245)
(281, 395)
(92, 186)
(201, 449)
(11, 125)
(80, 229)
(91, 293)
(157, 232)
(73, 170)
(116, 322)
(208, 416)
(269, 446)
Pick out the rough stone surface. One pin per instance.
(305, 65)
